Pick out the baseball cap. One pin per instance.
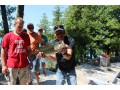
(58, 27)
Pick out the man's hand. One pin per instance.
(66, 52)
(40, 54)
(5, 70)
(64, 48)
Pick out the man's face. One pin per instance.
(30, 29)
(18, 27)
(60, 34)
(40, 31)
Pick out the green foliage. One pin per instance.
(95, 29)
(9, 10)
(1, 33)
(57, 16)
(51, 36)
(44, 24)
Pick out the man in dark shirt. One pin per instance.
(65, 58)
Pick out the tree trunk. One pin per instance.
(20, 11)
(108, 50)
(4, 19)
(116, 53)
(91, 52)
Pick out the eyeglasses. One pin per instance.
(59, 26)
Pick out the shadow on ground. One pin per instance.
(48, 82)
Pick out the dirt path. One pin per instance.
(82, 71)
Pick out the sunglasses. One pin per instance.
(58, 26)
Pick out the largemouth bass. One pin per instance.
(48, 49)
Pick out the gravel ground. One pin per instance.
(83, 72)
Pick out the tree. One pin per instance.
(57, 16)
(4, 18)
(10, 17)
(95, 29)
(20, 11)
(113, 27)
(45, 25)
(76, 26)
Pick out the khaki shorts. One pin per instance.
(21, 73)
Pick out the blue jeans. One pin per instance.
(35, 65)
(69, 76)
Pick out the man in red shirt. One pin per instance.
(14, 52)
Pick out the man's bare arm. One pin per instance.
(29, 54)
(4, 60)
(3, 56)
(51, 57)
(68, 54)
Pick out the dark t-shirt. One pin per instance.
(62, 63)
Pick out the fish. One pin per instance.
(48, 49)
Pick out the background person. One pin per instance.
(25, 30)
(44, 42)
(35, 40)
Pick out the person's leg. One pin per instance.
(39, 68)
(60, 77)
(29, 82)
(36, 75)
(43, 68)
(35, 70)
(71, 78)
(17, 81)
(12, 76)
(23, 75)
(29, 78)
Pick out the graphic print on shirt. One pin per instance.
(19, 48)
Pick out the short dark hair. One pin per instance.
(40, 29)
(24, 30)
(30, 26)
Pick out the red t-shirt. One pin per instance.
(17, 49)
